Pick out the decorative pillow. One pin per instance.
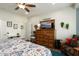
(68, 41)
(73, 42)
(75, 39)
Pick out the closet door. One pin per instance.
(0, 29)
(3, 30)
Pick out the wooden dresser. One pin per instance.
(45, 37)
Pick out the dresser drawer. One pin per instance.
(40, 42)
(50, 32)
(50, 40)
(45, 44)
(48, 36)
(45, 40)
(51, 45)
(38, 33)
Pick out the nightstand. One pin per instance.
(32, 38)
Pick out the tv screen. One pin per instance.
(47, 25)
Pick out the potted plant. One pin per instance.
(67, 26)
(62, 24)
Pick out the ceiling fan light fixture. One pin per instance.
(21, 6)
(26, 12)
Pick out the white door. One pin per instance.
(2, 29)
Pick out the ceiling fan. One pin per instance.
(24, 6)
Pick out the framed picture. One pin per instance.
(22, 26)
(9, 23)
(15, 26)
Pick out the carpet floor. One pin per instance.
(57, 53)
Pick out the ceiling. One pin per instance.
(41, 8)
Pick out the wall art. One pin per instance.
(9, 23)
(15, 26)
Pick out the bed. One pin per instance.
(19, 47)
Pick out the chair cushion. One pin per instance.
(73, 42)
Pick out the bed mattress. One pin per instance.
(19, 47)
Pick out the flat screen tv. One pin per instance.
(47, 25)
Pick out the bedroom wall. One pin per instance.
(66, 15)
(16, 19)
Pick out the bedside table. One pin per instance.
(32, 38)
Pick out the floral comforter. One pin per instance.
(19, 47)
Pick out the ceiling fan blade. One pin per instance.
(23, 3)
(30, 5)
(16, 8)
(27, 9)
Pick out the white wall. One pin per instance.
(16, 19)
(66, 15)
